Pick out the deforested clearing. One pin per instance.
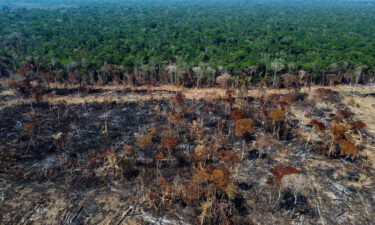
(171, 155)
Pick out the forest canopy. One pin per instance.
(148, 36)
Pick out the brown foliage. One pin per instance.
(191, 191)
(277, 115)
(318, 125)
(128, 149)
(169, 142)
(201, 174)
(220, 177)
(229, 156)
(164, 184)
(345, 113)
(338, 129)
(180, 98)
(278, 172)
(151, 132)
(215, 175)
(174, 118)
(28, 89)
(160, 156)
(357, 125)
(244, 126)
(289, 98)
(326, 94)
(143, 141)
(238, 114)
(202, 152)
(347, 148)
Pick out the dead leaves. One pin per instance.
(169, 142)
(347, 148)
(219, 176)
(277, 115)
(344, 137)
(202, 152)
(318, 125)
(128, 149)
(338, 129)
(164, 184)
(279, 172)
(238, 114)
(244, 126)
(201, 174)
(143, 141)
(229, 156)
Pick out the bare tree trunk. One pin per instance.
(358, 78)
(340, 75)
(274, 79)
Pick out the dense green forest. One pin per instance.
(248, 39)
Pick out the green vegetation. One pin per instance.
(248, 38)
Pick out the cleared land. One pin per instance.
(170, 155)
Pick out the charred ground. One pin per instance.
(123, 155)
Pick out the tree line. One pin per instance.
(193, 42)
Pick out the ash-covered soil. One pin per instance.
(181, 160)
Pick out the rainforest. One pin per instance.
(249, 39)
